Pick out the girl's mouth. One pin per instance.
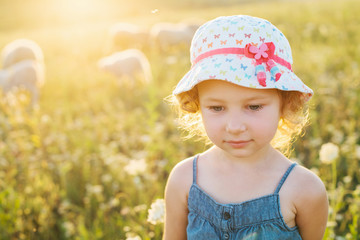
(238, 144)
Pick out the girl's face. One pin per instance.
(241, 121)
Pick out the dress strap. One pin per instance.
(195, 168)
(285, 177)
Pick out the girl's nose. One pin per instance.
(235, 125)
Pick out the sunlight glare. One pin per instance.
(74, 10)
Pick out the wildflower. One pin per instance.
(156, 212)
(64, 206)
(140, 208)
(94, 189)
(69, 229)
(127, 228)
(114, 202)
(347, 179)
(45, 119)
(357, 151)
(28, 190)
(329, 152)
(137, 237)
(145, 138)
(135, 167)
(106, 178)
(132, 236)
(125, 211)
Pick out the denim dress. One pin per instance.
(255, 219)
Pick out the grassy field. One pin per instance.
(88, 161)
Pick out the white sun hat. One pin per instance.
(244, 50)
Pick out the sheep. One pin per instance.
(28, 74)
(128, 63)
(127, 35)
(21, 49)
(169, 34)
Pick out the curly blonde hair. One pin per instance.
(294, 117)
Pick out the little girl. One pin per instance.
(242, 94)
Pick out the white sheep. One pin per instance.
(126, 35)
(169, 34)
(129, 63)
(21, 49)
(27, 74)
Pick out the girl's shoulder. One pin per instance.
(183, 169)
(181, 176)
(306, 187)
(307, 181)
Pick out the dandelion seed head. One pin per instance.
(328, 153)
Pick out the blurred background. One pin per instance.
(87, 141)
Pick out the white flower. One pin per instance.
(135, 167)
(357, 151)
(106, 178)
(45, 119)
(134, 238)
(114, 202)
(156, 212)
(131, 236)
(329, 152)
(347, 179)
(69, 228)
(140, 208)
(94, 189)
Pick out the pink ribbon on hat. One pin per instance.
(263, 54)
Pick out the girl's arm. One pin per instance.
(176, 193)
(312, 207)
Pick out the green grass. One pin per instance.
(88, 127)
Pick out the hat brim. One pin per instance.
(239, 70)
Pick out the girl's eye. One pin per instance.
(255, 107)
(216, 108)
